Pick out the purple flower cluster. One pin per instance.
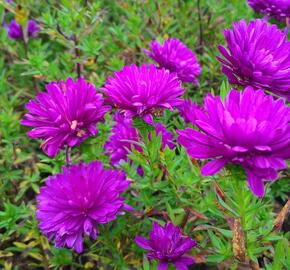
(176, 57)
(168, 245)
(257, 55)
(249, 128)
(125, 137)
(75, 202)
(66, 115)
(186, 110)
(279, 9)
(15, 31)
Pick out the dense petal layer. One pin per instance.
(73, 203)
(249, 128)
(143, 91)
(257, 54)
(176, 57)
(67, 114)
(167, 245)
(279, 9)
(124, 138)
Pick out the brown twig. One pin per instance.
(76, 49)
(185, 218)
(77, 54)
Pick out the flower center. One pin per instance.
(74, 124)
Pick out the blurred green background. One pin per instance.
(106, 36)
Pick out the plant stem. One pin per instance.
(200, 43)
(239, 242)
(67, 158)
(77, 54)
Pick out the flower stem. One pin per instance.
(67, 158)
(200, 42)
(239, 241)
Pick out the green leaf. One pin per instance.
(280, 254)
(146, 265)
(224, 89)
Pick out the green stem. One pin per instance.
(238, 184)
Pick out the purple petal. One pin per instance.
(212, 167)
(162, 266)
(256, 185)
(142, 242)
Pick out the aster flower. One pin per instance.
(250, 129)
(176, 57)
(122, 139)
(166, 136)
(32, 28)
(186, 110)
(125, 137)
(75, 202)
(278, 9)
(257, 55)
(143, 91)
(15, 30)
(64, 116)
(167, 245)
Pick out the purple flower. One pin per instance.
(167, 245)
(75, 202)
(32, 28)
(125, 137)
(186, 110)
(279, 9)
(15, 30)
(166, 136)
(64, 116)
(257, 55)
(143, 91)
(176, 57)
(250, 129)
(122, 140)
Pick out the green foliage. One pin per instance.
(101, 37)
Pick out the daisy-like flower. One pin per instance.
(186, 110)
(122, 139)
(15, 30)
(168, 245)
(143, 91)
(125, 137)
(250, 128)
(257, 55)
(74, 202)
(176, 57)
(278, 9)
(66, 115)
